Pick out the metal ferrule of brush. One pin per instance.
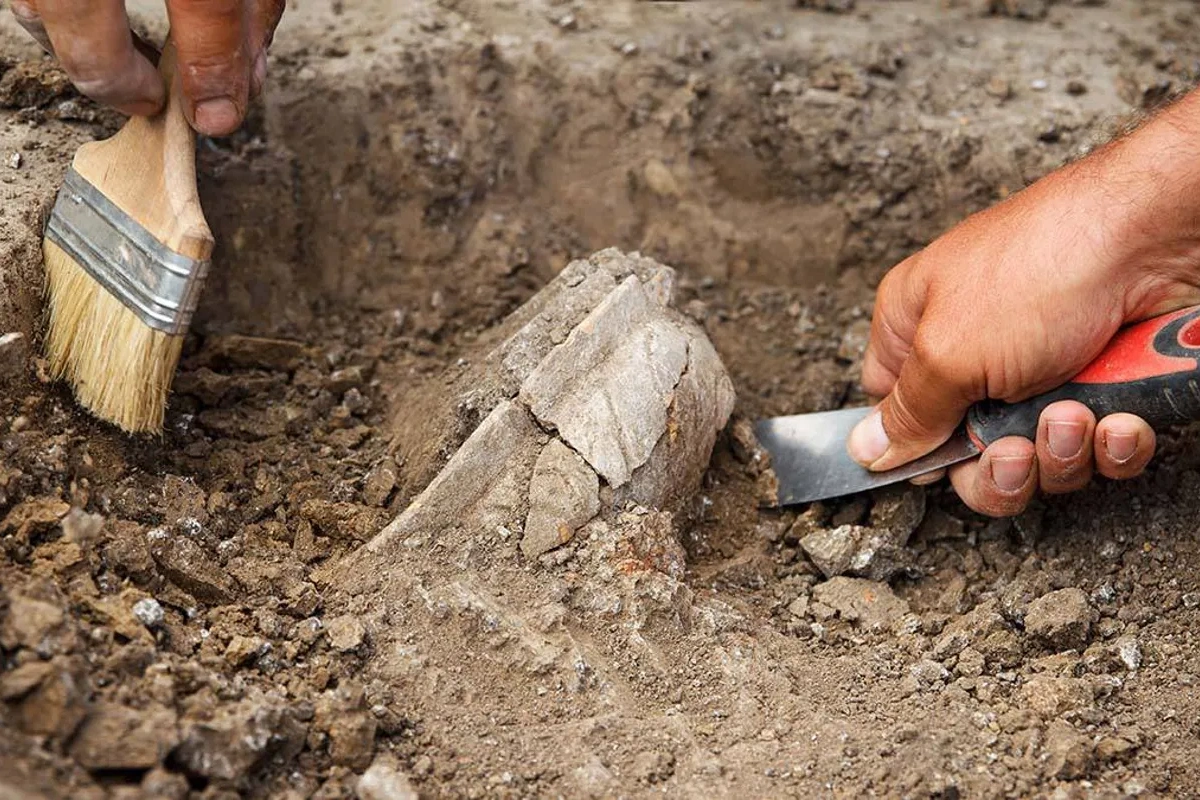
(159, 285)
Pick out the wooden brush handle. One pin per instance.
(149, 170)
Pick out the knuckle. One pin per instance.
(218, 64)
(937, 356)
(102, 83)
(96, 86)
(887, 286)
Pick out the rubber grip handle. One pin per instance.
(1151, 369)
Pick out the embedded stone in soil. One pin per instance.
(627, 401)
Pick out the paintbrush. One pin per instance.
(126, 252)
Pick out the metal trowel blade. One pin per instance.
(808, 454)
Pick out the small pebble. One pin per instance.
(1130, 652)
(1039, 85)
(149, 612)
(14, 161)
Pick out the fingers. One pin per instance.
(898, 308)
(211, 39)
(263, 22)
(1124, 445)
(221, 47)
(93, 42)
(1070, 445)
(27, 16)
(1002, 482)
(1064, 447)
(929, 478)
(924, 407)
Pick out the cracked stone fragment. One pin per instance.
(187, 565)
(608, 387)
(564, 493)
(832, 549)
(231, 740)
(597, 385)
(867, 604)
(899, 510)
(497, 446)
(439, 423)
(545, 321)
(115, 737)
(701, 405)
(878, 551)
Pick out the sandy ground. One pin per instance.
(412, 176)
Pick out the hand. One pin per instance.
(1017, 299)
(221, 44)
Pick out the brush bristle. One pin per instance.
(119, 367)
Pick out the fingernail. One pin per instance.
(1065, 438)
(1120, 446)
(868, 441)
(216, 116)
(1009, 473)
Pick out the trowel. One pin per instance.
(1151, 369)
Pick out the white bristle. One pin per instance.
(120, 368)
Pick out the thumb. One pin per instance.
(214, 64)
(923, 409)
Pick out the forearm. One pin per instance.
(1146, 200)
(1166, 152)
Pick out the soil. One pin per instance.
(194, 615)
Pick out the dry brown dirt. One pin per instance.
(177, 617)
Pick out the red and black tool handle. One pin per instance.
(1151, 369)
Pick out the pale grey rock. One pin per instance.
(597, 385)
(384, 781)
(346, 633)
(1062, 619)
(702, 404)
(832, 549)
(564, 494)
(607, 388)
(501, 442)
(1128, 651)
(548, 318)
(149, 612)
(868, 604)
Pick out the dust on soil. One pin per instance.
(173, 621)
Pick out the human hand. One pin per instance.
(221, 45)
(1016, 300)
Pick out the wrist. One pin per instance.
(1149, 200)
